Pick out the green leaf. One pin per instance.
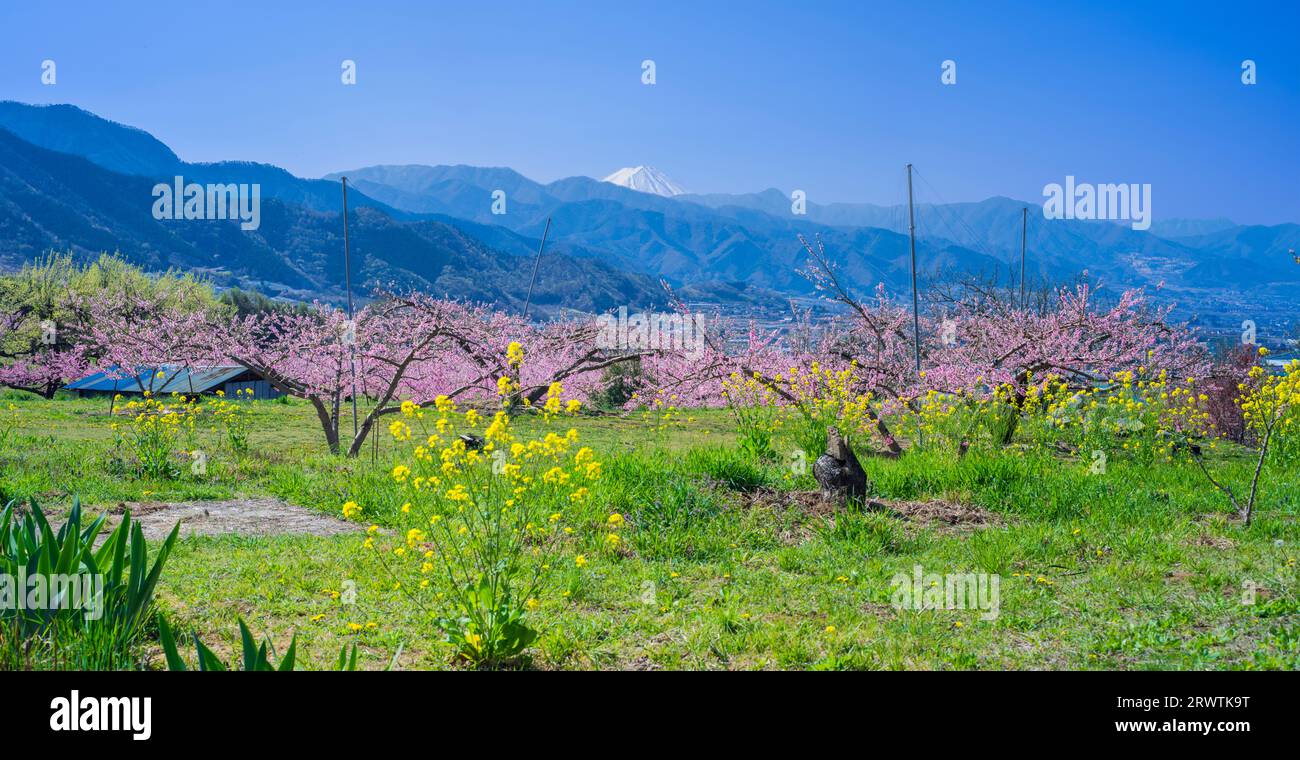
(207, 660)
(251, 654)
(174, 661)
(286, 662)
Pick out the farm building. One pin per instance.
(168, 379)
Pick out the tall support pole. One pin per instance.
(916, 301)
(536, 263)
(1024, 234)
(347, 281)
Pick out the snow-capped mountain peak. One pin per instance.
(646, 179)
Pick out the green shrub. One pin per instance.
(121, 581)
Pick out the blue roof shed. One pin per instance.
(175, 379)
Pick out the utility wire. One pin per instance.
(975, 241)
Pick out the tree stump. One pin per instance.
(838, 471)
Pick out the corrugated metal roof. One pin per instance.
(178, 379)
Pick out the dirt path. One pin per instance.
(245, 517)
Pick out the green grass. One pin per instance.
(1140, 567)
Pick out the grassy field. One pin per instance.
(727, 563)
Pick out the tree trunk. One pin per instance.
(360, 439)
(328, 423)
(1010, 433)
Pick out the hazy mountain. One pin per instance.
(131, 151)
(699, 238)
(753, 237)
(51, 200)
(57, 201)
(435, 224)
(1174, 228)
(645, 179)
(1253, 254)
(68, 129)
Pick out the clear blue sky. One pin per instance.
(829, 97)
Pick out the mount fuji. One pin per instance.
(645, 179)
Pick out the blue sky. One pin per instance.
(832, 98)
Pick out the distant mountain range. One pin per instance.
(71, 180)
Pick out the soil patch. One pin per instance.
(933, 512)
(245, 517)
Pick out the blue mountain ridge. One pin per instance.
(749, 242)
